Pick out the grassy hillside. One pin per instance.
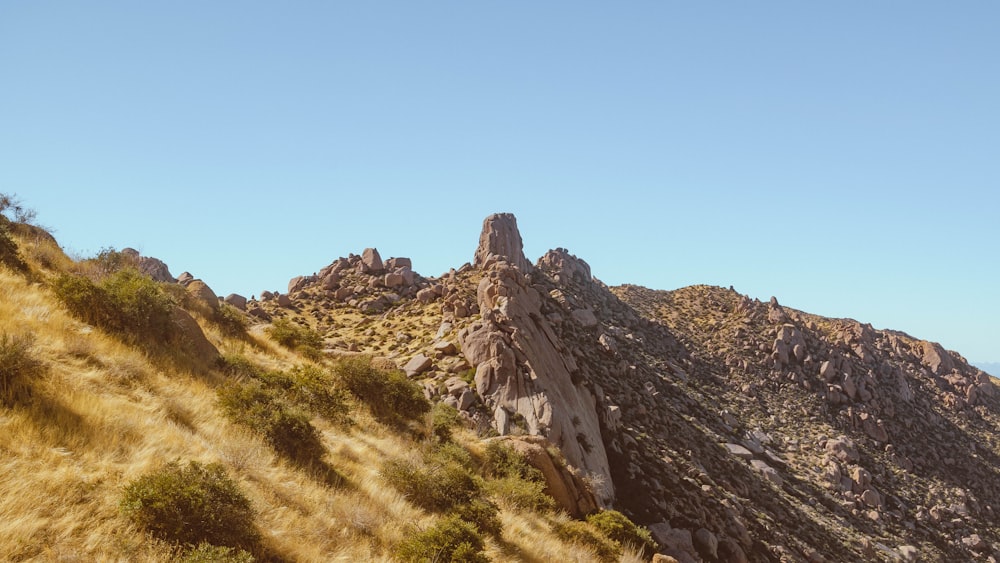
(123, 438)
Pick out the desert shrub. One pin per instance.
(311, 388)
(125, 302)
(520, 494)
(500, 460)
(443, 419)
(10, 256)
(238, 365)
(451, 539)
(192, 504)
(437, 487)
(483, 514)
(208, 553)
(388, 393)
(18, 368)
(618, 528)
(286, 429)
(230, 321)
(109, 261)
(295, 337)
(582, 533)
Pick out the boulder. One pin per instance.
(706, 543)
(417, 365)
(427, 295)
(585, 317)
(185, 278)
(371, 262)
(769, 473)
(568, 490)
(843, 448)
(739, 451)
(393, 280)
(445, 348)
(237, 300)
(203, 294)
(936, 358)
(192, 339)
(284, 300)
(396, 263)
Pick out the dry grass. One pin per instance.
(103, 414)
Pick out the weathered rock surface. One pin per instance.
(568, 489)
(501, 239)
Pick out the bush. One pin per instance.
(295, 337)
(483, 514)
(435, 487)
(451, 539)
(443, 419)
(389, 394)
(208, 553)
(191, 505)
(125, 302)
(500, 461)
(618, 528)
(287, 430)
(520, 494)
(311, 388)
(574, 531)
(17, 368)
(230, 321)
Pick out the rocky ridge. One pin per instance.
(735, 429)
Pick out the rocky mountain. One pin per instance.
(733, 429)
(736, 430)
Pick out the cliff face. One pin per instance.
(737, 430)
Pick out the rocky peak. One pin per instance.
(564, 267)
(500, 240)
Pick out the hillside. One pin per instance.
(733, 430)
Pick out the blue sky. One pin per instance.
(840, 156)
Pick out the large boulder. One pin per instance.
(152, 267)
(935, 357)
(192, 339)
(371, 262)
(202, 294)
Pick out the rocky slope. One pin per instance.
(736, 430)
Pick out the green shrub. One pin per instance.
(520, 494)
(389, 394)
(238, 365)
(443, 419)
(287, 430)
(295, 337)
(18, 368)
(500, 461)
(311, 388)
(191, 505)
(483, 514)
(582, 533)
(208, 553)
(125, 302)
(435, 487)
(618, 528)
(450, 539)
(230, 321)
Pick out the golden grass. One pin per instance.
(102, 414)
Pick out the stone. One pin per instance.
(739, 451)
(192, 339)
(297, 283)
(203, 294)
(154, 268)
(331, 281)
(284, 300)
(827, 372)
(417, 365)
(185, 278)
(936, 358)
(446, 348)
(396, 263)
(585, 317)
(427, 295)
(259, 313)
(565, 267)
(466, 399)
(393, 280)
(563, 485)
(661, 558)
(679, 544)
(843, 448)
(769, 473)
(909, 553)
(371, 262)
(237, 300)
(730, 551)
(706, 543)
(343, 294)
(500, 238)
(871, 498)
(975, 543)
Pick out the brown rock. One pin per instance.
(284, 300)
(237, 301)
(936, 358)
(417, 365)
(568, 490)
(500, 238)
(203, 294)
(192, 338)
(371, 262)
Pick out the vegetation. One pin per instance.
(588, 536)
(444, 418)
(451, 539)
(208, 553)
(618, 528)
(18, 368)
(10, 256)
(124, 302)
(513, 481)
(190, 505)
(285, 428)
(295, 337)
(391, 397)
(230, 321)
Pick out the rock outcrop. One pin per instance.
(501, 240)
(523, 373)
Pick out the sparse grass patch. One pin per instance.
(208, 553)
(582, 533)
(190, 505)
(18, 368)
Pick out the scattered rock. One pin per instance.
(237, 301)
(417, 365)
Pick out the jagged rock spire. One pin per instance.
(501, 239)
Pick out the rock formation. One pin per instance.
(500, 239)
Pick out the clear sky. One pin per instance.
(842, 156)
